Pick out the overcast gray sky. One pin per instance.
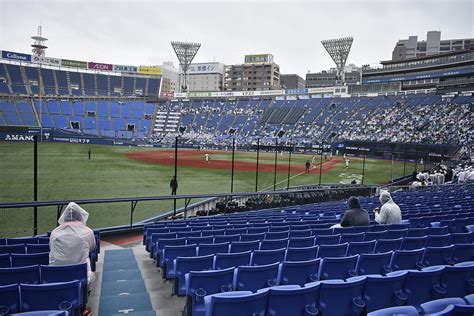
(139, 32)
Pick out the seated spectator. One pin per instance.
(389, 212)
(355, 215)
(72, 241)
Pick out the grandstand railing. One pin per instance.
(312, 195)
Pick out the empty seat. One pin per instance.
(437, 256)
(338, 268)
(277, 235)
(417, 232)
(202, 283)
(257, 230)
(252, 237)
(437, 240)
(375, 235)
(360, 247)
(332, 250)
(253, 278)
(293, 300)
(9, 299)
(458, 280)
(396, 233)
(212, 249)
(237, 303)
(53, 296)
(37, 248)
(425, 285)
(406, 259)
(384, 245)
(187, 234)
(384, 291)
(376, 263)
(13, 249)
(30, 275)
(438, 307)
(346, 237)
(411, 243)
(321, 231)
(460, 238)
(183, 265)
(199, 240)
(301, 254)
(228, 260)
(227, 238)
(437, 231)
(172, 252)
(298, 272)
(397, 310)
(337, 297)
(22, 260)
(22, 240)
(263, 257)
(236, 231)
(244, 246)
(273, 244)
(298, 242)
(463, 253)
(54, 274)
(327, 240)
(300, 233)
(160, 246)
(5, 261)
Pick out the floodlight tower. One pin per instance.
(39, 46)
(339, 49)
(185, 53)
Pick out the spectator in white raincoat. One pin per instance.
(72, 240)
(389, 212)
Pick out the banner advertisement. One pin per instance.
(296, 91)
(422, 76)
(150, 70)
(46, 60)
(259, 59)
(100, 66)
(226, 94)
(205, 68)
(73, 63)
(15, 56)
(167, 94)
(125, 68)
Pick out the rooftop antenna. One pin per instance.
(185, 52)
(39, 46)
(339, 49)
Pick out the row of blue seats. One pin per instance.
(307, 267)
(353, 296)
(24, 240)
(22, 260)
(64, 297)
(450, 306)
(24, 248)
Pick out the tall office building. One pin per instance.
(258, 73)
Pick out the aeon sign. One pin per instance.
(99, 66)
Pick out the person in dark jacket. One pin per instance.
(355, 215)
(173, 185)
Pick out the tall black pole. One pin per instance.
(232, 174)
(35, 184)
(175, 170)
(321, 163)
(289, 166)
(363, 169)
(426, 157)
(416, 157)
(256, 172)
(391, 169)
(275, 173)
(405, 160)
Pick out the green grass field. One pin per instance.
(66, 173)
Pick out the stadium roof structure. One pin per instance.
(339, 49)
(185, 52)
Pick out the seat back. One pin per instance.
(332, 250)
(437, 256)
(252, 237)
(237, 303)
(423, 286)
(301, 254)
(253, 278)
(226, 238)
(244, 246)
(263, 257)
(22, 240)
(37, 248)
(16, 248)
(384, 245)
(327, 240)
(9, 299)
(212, 249)
(271, 244)
(299, 242)
(228, 260)
(460, 238)
(377, 263)
(183, 265)
(411, 243)
(199, 240)
(406, 259)
(22, 260)
(384, 291)
(463, 253)
(351, 237)
(338, 268)
(5, 261)
(375, 235)
(356, 247)
(417, 232)
(300, 233)
(459, 279)
(337, 297)
(396, 233)
(290, 300)
(437, 240)
(299, 273)
(30, 275)
(277, 235)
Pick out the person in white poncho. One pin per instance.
(72, 240)
(389, 212)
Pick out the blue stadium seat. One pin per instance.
(423, 286)
(300, 233)
(20, 248)
(397, 310)
(376, 263)
(293, 300)
(346, 237)
(298, 242)
(417, 232)
(463, 253)
(437, 256)
(277, 235)
(228, 260)
(172, 252)
(253, 278)
(188, 234)
(406, 259)
(244, 246)
(384, 291)
(153, 238)
(54, 274)
(22, 260)
(321, 231)
(237, 303)
(337, 297)
(227, 238)
(183, 265)
(437, 240)
(301, 253)
(437, 231)
(327, 240)
(202, 283)
(332, 250)
(9, 299)
(458, 280)
(34, 248)
(199, 240)
(30, 275)
(298, 272)
(258, 231)
(22, 240)
(360, 247)
(60, 296)
(5, 261)
(396, 233)
(212, 249)
(236, 231)
(252, 237)
(384, 245)
(460, 238)
(160, 246)
(272, 244)
(436, 307)
(375, 235)
(338, 268)
(411, 243)
(264, 257)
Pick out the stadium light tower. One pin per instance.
(185, 53)
(339, 49)
(38, 46)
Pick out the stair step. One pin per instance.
(112, 265)
(121, 275)
(110, 305)
(143, 313)
(114, 288)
